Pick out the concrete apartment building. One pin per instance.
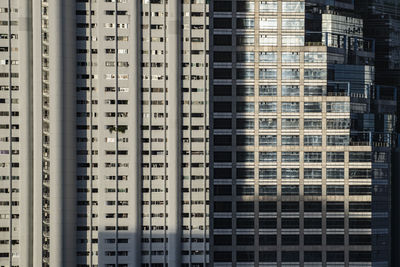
(192, 133)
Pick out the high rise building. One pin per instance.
(302, 137)
(195, 133)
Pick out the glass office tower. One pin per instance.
(301, 137)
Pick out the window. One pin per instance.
(222, 140)
(268, 23)
(314, 90)
(359, 206)
(315, 74)
(267, 140)
(290, 74)
(245, 74)
(335, 223)
(222, 124)
(335, 190)
(222, 40)
(245, 156)
(292, 24)
(244, 190)
(245, 57)
(290, 240)
(337, 240)
(312, 223)
(359, 156)
(312, 156)
(267, 90)
(312, 190)
(245, 40)
(222, 190)
(290, 90)
(334, 173)
(222, 90)
(267, 124)
(293, 7)
(360, 256)
(268, 6)
(222, 223)
(313, 140)
(290, 107)
(339, 124)
(245, 240)
(290, 140)
(292, 40)
(223, 107)
(360, 190)
(312, 240)
(310, 173)
(267, 156)
(334, 206)
(312, 107)
(312, 256)
(245, 6)
(222, 173)
(222, 23)
(267, 190)
(335, 156)
(243, 90)
(222, 256)
(290, 223)
(335, 256)
(337, 107)
(315, 57)
(245, 23)
(267, 107)
(222, 240)
(245, 140)
(267, 206)
(267, 174)
(290, 256)
(338, 140)
(225, 206)
(290, 190)
(267, 74)
(271, 39)
(244, 107)
(289, 206)
(223, 74)
(312, 206)
(222, 156)
(360, 173)
(312, 124)
(267, 223)
(244, 206)
(222, 6)
(290, 157)
(290, 173)
(244, 173)
(268, 57)
(244, 223)
(290, 57)
(267, 240)
(243, 124)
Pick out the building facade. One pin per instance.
(301, 159)
(193, 133)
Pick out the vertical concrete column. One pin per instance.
(174, 132)
(136, 155)
(37, 133)
(62, 132)
(26, 132)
